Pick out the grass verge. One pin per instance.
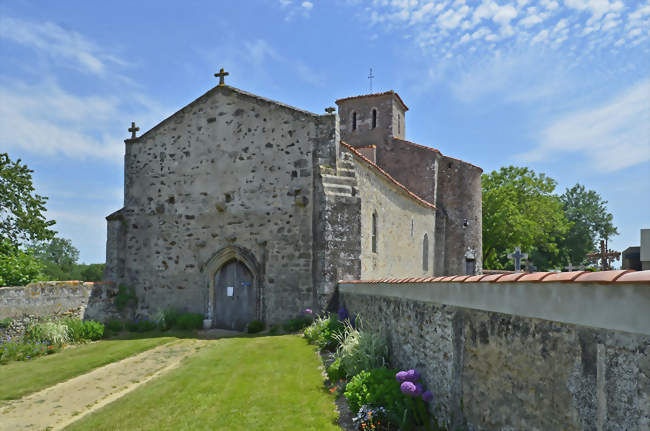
(25, 377)
(265, 383)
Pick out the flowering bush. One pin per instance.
(370, 418)
(24, 350)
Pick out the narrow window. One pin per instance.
(374, 232)
(470, 266)
(412, 227)
(354, 121)
(374, 118)
(425, 253)
(399, 124)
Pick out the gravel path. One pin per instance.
(56, 407)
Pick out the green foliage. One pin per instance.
(297, 324)
(91, 272)
(125, 296)
(520, 209)
(79, 330)
(359, 350)
(17, 267)
(190, 321)
(4, 323)
(93, 330)
(21, 210)
(51, 332)
(115, 325)
(140, 325)
(590, 222)
(324, 332)
(334, 371)
(379, 388)
(255, 326)
(166, 318)
(24, 350)
(59, 252)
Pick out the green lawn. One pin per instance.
(265, 383)
(24, 377)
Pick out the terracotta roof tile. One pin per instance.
(474, 278)
(535, 276)
(385, 93)
(602, 275)
(438, 279)
(634, 277)
(511, 277)
(491, 278)
(387, 175)
(563, 276)
(448, 278)
(429, 280)
(460, 278)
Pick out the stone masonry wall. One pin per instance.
(512, 372)
(92, 301)
(230, 169)
(402, 223)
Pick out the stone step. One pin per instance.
(335, 180)
(343, 172)
(327, 170)
(339, 189)
(345, 164)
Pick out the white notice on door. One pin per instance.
(229, 290)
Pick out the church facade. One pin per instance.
(243, 208)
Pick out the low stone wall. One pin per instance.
(59, 298)
(519, 356)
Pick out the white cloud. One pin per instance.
(307, 5)
(610, 137)
(451, 18)
(53, 40)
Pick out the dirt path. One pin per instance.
(55, 407)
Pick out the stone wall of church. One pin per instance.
(230, 169)
(402, 223)
(551, 356)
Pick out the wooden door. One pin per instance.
(234, 296)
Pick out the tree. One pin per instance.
(587, 212)
(520, 209)
(58, 251)
(17, 267)
(21, 210)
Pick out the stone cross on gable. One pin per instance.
(133, 129)
(517, 256)
(221, 75)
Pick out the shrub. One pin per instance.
(380, 388)
(93, 330)
(4, 323)
(50, 332)
(274, 330)
(140, 325)
(297, 324)
(115, 325)
(125, 296)
(24, 350)
(255, 326)
(334, 371)
(190, 321)
(76, 329)
(359, 350)
(166, 318)
(324, 331)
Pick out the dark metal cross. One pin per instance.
(221, 75)
(370, 77)
(133, 129)
(605, 256)
(517, 256)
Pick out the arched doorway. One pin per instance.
(235, 296)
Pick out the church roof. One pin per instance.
(382, 172)
(435, 150)
(210, 93)
(375, 95)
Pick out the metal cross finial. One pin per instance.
(370, 76)
(517, 256)
(221, 75)
(133, 129)
(605, 256)
(330, 110)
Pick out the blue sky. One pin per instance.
(561, 86)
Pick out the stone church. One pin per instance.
(244, 208)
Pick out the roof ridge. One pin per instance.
(387, 175)
(437, 151)
(385, 93)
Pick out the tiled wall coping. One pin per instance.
(617, 304)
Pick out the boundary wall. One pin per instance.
(538, 351)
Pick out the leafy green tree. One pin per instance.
(520, 209)
(58, 252)
(17, 267)
(21, 209)
(92, 272)
(591, 221)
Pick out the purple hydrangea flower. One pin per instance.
(401, 376)
(427, 396)
(412, 376)
(411, 389)
(308, 311)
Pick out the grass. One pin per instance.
(265, 383)
(25, 377)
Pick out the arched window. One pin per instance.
(374, 232)
(354, 121)
(425, 253)
(374, 118)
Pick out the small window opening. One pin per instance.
(470, 266)
(354, 121)
(425, 253)
(374, 118)
(399, 124)
(412, 227)
(374, 232)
